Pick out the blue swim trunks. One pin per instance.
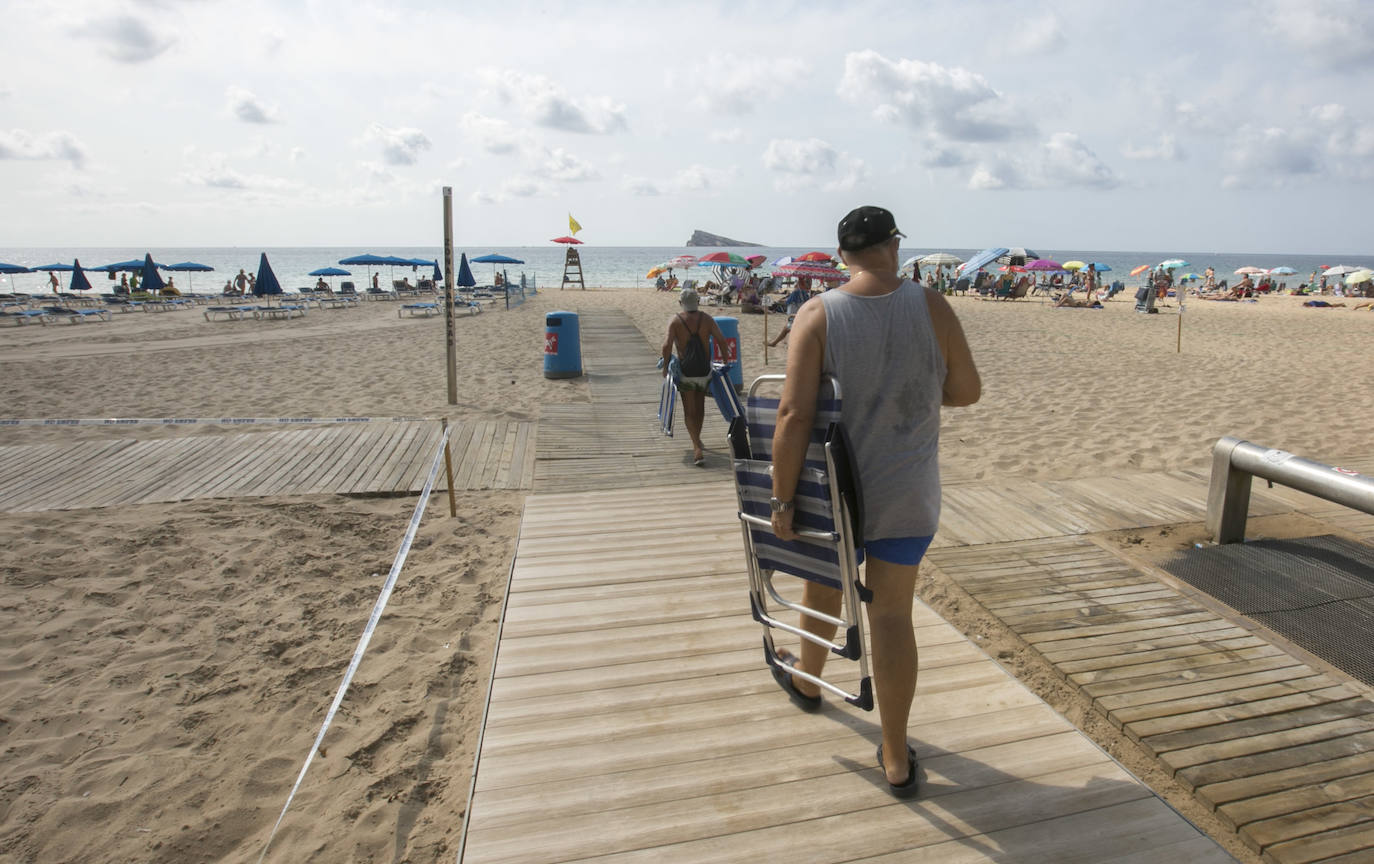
(899, 550)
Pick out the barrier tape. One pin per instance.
(367, 631)
(205, 421)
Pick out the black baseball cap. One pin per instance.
(866, 226)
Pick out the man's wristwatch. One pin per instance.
(779, 506)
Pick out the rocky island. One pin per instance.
(705, 238)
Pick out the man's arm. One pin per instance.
(797, 409)
(962, 384)
(668, 342)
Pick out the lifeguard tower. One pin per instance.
(572, 269)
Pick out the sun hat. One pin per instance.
(866, 226)
(689, 299)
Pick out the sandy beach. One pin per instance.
(168, 666)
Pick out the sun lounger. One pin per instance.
(418, 310)
(228, 313)
(336, 302)
(283, 312)
(20, 317)
(829, 524)
(75, 316)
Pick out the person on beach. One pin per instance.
(792, 303)
(1209, 279)
(241, 282)
(899, 353)
(252, 283)
(170, 289)
(133, 283)
(52, 281)
(688, 335)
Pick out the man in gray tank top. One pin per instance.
(899, 354)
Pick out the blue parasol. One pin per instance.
(188, 267)
(9, 269)
(79, 281)
(494, 259)
(133, 265)
(330, 271)
(977, 262)
(152, 280)
(50, 268)
(465, 279)
(267, 283)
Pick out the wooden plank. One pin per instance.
(326, 479)
(395, 449)
(35, 485)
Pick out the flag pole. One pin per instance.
(450, 333)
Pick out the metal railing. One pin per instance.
(1235, 462)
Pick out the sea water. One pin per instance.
(617, 267)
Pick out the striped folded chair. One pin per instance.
(828, 518)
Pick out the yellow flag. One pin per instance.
(572, 225)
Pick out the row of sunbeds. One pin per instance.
(19, 316)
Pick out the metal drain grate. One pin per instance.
(1317, 591)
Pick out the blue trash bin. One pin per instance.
(562, 346)
(729, 352)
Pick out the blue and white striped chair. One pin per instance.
(828, 519)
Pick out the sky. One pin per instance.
(1240, 126)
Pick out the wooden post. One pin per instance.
(448, 467)
(1178, 348)
(450, 331)
(765, 331)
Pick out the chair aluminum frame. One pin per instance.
(839, 481)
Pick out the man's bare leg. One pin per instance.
(694, 411)
(894, 656)
(825, 599)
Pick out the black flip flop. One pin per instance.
(909, 788)
(810, 704)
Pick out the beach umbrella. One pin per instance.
(152, 280)
(1281, 271)
(1044, 265)
(1098, 266)
(680, 261)
(656, 271)
(977, 262)
(496, 258)
(1174, 264)
(330, 271)
(1341, 270)
(1017, 255)
(723, 259)
(819, 272)
(816, 257)
(465, 279)
(189, 267)
(54, 268)
(1141, 269)
(10, 270)
(569, 241)
(79, 282)
(1074, 265)
(938, 259)
(438, 274)
(133, 265)
(266, 284)
(1359, 276)
(1249, 271)
(755, 260)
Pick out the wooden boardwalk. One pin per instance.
(1283, 751)
(614, 441)
(352, 459)
(632, 719)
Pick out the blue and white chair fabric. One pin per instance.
(828, 518)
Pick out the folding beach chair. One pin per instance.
(828, 518)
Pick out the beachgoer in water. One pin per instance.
(688, 334)
(52, 280)
(241, 281)
(875, 333)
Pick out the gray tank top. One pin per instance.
(884, 352)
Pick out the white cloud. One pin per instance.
(793, 156)
(641, 186)
(952, 103)
(1166, 149)
(1069, 162)
(561, 165)
(810, 162)
(21, 144)
(1349, 143)
(297, 154)
(1333, 32)
(695, 179)
(401, 146)
(726, 136)
(218, 175)
(737, 84)
(1041, 35)
(1063, 161)
(1269, 157)
(492, 134)
(249, 108)
(545, 103)
(515, 186)
(125, 38)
